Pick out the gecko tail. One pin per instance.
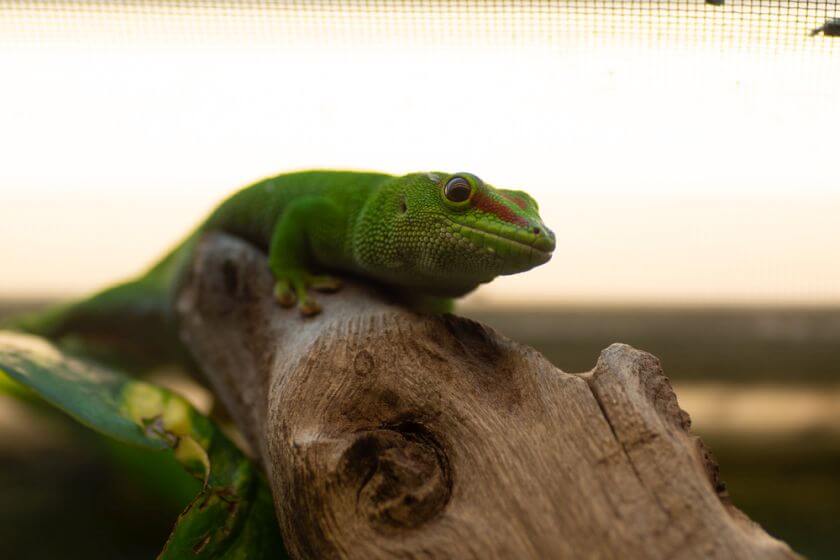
(131, 324)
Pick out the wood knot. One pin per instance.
(230, 276)
(471, 338)
(221, 277)
(400, 473)
(363, 363)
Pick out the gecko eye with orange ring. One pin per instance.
(457, 189)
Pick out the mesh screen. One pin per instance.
(794, 24)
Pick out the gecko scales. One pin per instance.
(431, 236)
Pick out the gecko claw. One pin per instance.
(283, 294)
(309, 308)
(294, 289)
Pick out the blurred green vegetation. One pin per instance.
(106, 500)
(96, 497)
(789, 485)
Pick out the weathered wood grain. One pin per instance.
(390, 434)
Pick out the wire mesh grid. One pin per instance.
(773, 24)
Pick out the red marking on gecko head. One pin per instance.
(516, 200)
(482, 201)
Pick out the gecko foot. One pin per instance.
(326, 284)
(294, 287)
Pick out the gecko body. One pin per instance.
(432, 235)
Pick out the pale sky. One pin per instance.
(669, 176)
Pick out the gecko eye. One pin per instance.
(457, 189)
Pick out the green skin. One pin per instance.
(404, 232)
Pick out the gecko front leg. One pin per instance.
(290, 260)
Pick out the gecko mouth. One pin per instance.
(507, 246)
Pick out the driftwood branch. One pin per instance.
(389, 434)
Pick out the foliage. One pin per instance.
(233, 515)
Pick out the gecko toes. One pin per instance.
(284, 294)
(293, 288)
(309, 308)
(327, 284)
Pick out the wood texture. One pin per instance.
(390, 434)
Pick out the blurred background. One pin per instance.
(684, 152)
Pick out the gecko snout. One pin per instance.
(543, 238)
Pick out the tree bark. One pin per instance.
(385, 433)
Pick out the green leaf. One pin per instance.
(233, 515)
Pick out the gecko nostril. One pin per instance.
(536, 231)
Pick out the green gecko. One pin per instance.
(430, 236)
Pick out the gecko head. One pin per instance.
(445, 233)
